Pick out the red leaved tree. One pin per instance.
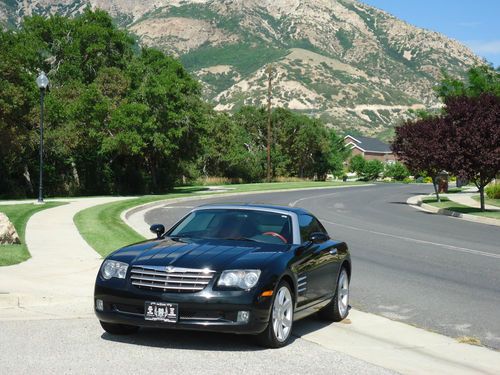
(473, 141)
(421, 146)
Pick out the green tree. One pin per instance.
(480, 79)
(372, 170)
(357, 164)
(397, 171)
(118, 120)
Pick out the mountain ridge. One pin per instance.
(356, 67)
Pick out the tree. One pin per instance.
(337, 154)
(471, 116)
(397, 171)
(479, 80)
(118, 119)
(473, 125)
(372, 170)
(357, 164)
(421, 146)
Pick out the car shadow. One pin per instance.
(189, 340)
(310, 324)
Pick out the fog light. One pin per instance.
(243, 316)
(99, 305)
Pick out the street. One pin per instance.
(432, 271)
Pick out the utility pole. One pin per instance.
(269, 71)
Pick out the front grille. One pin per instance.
(170, 279)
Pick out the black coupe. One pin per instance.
(245, 268)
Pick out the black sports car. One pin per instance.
(251, 269)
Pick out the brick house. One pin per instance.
(370, 148)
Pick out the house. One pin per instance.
(370, 148)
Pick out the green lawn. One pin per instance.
(19, 215)
(456, 207)
(454, 190)
(493, 202)
(103, 229)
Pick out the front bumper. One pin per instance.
(207, 310)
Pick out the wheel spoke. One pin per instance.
(281, 296)
(287, 304)
(281, 333)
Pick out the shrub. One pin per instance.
(427, 180)
(357, 164)
(372, 170)
(407, 180)
(419, 180)
(493, 191)
(397, 171)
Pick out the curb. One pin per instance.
(126, 215)
(418, 201)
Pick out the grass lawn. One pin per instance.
(103, 229)
(493, 202)
(19, 215)
(457, 207)
(454, 190)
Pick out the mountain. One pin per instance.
(353, 65)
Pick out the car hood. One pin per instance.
(213, 254)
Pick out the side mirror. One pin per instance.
(318, 237)
(158, 229)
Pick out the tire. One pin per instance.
(118, 329)
(279, 329)
(338, 308)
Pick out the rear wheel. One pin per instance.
(279, 329)
(338, 308)
(118, 329)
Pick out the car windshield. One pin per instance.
(236, 224)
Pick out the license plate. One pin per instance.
(161, 312)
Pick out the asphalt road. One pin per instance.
(432, 271)
(72, 347)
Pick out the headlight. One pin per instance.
(113, 268)
(243, 279)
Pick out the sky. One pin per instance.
(475, 23)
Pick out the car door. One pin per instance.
(318, 270)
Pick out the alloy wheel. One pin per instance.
(343, 293)
(282, 314)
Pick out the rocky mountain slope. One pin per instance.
(353, 65)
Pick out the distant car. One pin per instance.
(251, 269)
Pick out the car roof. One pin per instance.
(264, 207)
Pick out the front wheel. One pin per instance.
(338, 308)
(279, 329)
(118, 329)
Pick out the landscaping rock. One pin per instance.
(8, 234)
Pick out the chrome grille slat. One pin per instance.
(170, 281)
(192, 288)
(180, 280)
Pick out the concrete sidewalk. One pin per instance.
(58, 279)
(400, 347)
(466, 200)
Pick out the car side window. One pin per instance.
(309, 224)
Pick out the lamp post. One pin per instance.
(43, 82)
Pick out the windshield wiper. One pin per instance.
(239, 239)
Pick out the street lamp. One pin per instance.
(43, 82)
